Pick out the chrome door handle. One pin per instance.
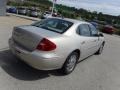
(83, 42)
(94, 40)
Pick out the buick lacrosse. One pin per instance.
(56, 43)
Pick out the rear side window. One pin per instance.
(55, 25)
(84, 30)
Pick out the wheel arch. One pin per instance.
(78, 51)
(103, 43)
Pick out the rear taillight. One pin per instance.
(46, 45)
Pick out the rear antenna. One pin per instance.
(62, 17)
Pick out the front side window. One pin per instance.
(83, 30)
(94, 31)
(55, 25)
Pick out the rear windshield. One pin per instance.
(55, 25)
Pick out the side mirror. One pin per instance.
(101, 35)
(96, 35)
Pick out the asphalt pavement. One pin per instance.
(98, 72)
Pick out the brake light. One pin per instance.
(46, 45)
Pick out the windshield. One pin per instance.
(56, 25)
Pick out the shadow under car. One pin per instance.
(20, 70)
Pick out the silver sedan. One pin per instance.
(56, 43)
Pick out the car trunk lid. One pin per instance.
(28, 37)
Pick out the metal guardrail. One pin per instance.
(25, 17)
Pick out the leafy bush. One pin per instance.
(117, 31)
(100, 27)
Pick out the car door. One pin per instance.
(95, 38)
(85, 39)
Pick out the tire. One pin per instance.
(100, 49)
(70, 63)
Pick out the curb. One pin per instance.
(25, 17)
(4, 49)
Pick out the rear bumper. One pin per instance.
(37, 59)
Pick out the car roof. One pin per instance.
(71, 20)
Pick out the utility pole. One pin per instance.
(3, 7)
(54, 1)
